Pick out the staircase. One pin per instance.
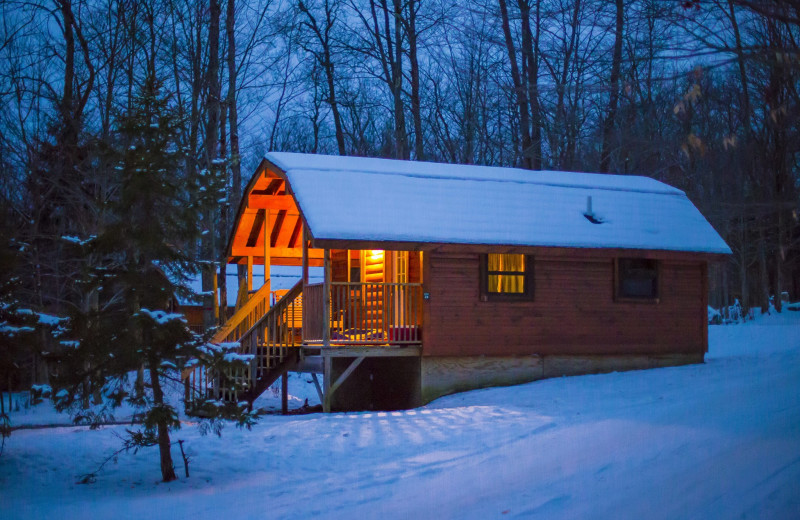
(272, 337)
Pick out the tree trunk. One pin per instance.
(400, 136)
(416, 115)
(530, 54)
(233, 122)
(613, 99)
(325, 60)
(167, 468)
(763, 273)
(519, 91)
(212, 126)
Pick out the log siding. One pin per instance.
(574, 312)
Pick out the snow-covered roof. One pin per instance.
(353, 198)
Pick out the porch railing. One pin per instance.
(364, 313)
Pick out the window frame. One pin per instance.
(486, 296)
(621, 298)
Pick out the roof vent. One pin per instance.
(590, 216)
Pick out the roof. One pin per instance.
(363, 199)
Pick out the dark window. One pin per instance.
(637, 279)
(506, 277)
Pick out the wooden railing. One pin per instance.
(271, 341)
(365, 314)
(244, 319)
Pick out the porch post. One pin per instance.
(305, 256)
(267, 257)
(326, 301)
(327, 369)
(249, 275)
(304, 281)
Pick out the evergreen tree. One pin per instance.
(21, 328)
(144, 263)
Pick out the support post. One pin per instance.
(267, 256)
(305, 256)
(327, 365)
(249, 275)
(326, 301)
(318, 387)
(304, 279)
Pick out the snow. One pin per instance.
(718, 440)
(490, 205)
(230, 357)
(162, 317)
(11, 330)
(78, 240)
(47, 319)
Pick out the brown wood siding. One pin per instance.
(573, 311)
(414, 267)
(339, 267)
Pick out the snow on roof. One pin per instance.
(353, 198)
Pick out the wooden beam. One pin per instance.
(543, 251)
(249, 273)
(283, 236)
(296, 232)
(305, 256)
(371, 351)
(326, 303)
(243, 226)
(276, 260)
(327, 367)
(274, 202)
(274, 186)
(339, 380)
(316, 385)
(267, 254)
(282, 252)
(275, 228)
(258, 225)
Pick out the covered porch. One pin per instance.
(368, 304)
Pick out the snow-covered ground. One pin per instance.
(719, 440)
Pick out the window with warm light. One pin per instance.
(506, 277)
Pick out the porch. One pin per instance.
(368, 306)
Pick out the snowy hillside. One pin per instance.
(720, 440)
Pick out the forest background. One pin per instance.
(106, 100)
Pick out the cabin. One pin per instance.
(441, 278)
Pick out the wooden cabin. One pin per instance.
(441, 278)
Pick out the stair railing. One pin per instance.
(270, 341)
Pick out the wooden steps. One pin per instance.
(274, 342)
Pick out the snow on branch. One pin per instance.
(161, 317)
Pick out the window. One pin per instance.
(636, 279)
(506, 277)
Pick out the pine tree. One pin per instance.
(144, 262)
(144, 265)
